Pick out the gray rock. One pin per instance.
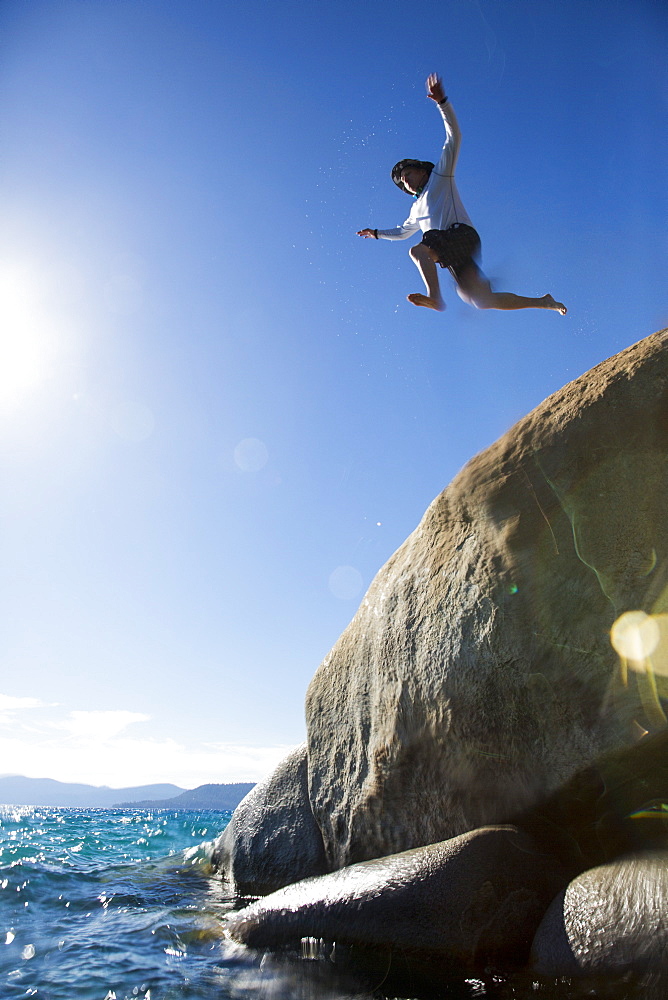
(611, 919)
(476, 898)
(478, 674)
(272, 838)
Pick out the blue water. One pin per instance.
(122, 904)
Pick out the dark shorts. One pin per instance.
(457, 247)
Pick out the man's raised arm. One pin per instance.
(453, 133)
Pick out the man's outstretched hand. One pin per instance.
(366, 233)
(435, 88)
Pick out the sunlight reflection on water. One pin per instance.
(131, 916)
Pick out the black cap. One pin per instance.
(403, 164)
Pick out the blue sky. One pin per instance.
(219, 416)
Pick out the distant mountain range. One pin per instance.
(17, 790)
(202, 797)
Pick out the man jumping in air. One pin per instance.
(449, 238)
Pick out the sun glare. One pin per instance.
(24, 334)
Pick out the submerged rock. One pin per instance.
(272, 838)
(478, 674)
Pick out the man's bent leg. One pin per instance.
(474, 288)
(425, 261)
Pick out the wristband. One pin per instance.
(375, 234)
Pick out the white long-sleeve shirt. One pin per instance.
(438, 206)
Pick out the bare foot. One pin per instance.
(426, 300)
(551, 303)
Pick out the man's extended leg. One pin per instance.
(425, 261)
(474, 288)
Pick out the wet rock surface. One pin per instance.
(473, 899)
(272, 838)
(611, 919)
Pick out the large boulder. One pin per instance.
(272, 838)
(478, 674)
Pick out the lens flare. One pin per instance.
(251, 455)
(346, 582)
(635, 635)
(660, 654)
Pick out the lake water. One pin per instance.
(121, 904)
